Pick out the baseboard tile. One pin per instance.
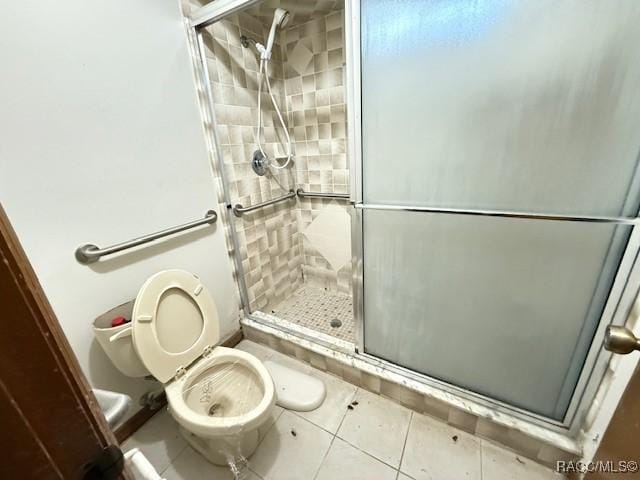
(536, 443)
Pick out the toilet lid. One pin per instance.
(174, 319)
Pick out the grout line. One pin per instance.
(269, 429)
(172, 460)
(355, 393)
(364, 451)
(180, 436)
(335, 435)
(262, 440)
(481, 441)
(324, 458)
(402, 473)
(249, 468)
(312, 423)
(406, 437)
(367, 453)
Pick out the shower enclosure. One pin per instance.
(492, 175)
(499, 190)
(291, 226)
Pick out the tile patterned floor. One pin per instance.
(315, 308)
(353, 435)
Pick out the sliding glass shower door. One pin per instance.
(500, 144)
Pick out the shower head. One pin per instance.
(281, 17)
(280, 20)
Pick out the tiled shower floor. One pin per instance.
(315, 308)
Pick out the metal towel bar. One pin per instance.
(90, 253)
(238, 209)
(337, 196)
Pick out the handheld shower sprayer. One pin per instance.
(261, 162)
(280, 20)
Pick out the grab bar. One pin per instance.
(238, 209)
(337, 196)
(90, 253)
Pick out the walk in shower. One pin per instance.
(295, 253)
(484, 236)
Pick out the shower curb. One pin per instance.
(529, 440)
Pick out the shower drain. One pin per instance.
(335, 323)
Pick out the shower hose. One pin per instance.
(263, 72)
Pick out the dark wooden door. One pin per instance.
(50, 424)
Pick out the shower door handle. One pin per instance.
(620, 340)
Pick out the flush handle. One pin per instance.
(620, 340)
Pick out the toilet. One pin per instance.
(219, 396)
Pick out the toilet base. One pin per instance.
(224, 450)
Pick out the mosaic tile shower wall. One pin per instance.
(290, 243)
(269, 244)
(315, 89)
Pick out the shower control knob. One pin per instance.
(259, 163)
(620, 340)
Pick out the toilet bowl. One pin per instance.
(219, 396)
(221, 402)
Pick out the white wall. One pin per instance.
(101, 141)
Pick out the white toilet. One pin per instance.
(219, 396)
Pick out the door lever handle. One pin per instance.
(620, 340)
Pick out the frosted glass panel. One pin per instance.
(511, 105)
(504, 307)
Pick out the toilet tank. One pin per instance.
(117, 342)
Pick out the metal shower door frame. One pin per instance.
(200, 19)
(620, 301)
(622, 295)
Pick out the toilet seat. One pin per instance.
(175, 328)
(174, 321)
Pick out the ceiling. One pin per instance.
(301, 11)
